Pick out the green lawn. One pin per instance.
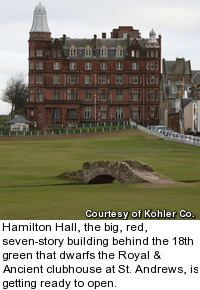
(29, 188)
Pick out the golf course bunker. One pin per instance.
(100, 172)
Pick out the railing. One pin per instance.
(144, 129)
(80, 129)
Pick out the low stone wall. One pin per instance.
(107, 171)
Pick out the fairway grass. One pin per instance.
(31, 190)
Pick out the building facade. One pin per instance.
(175, 86)
(92, 80)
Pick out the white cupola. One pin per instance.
(152, 36)
(40, 20)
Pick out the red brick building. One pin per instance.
(90, 80)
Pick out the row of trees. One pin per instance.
(16, 93)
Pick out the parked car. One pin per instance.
(160, 128)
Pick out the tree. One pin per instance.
(16, 93)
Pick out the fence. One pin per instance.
(83, 128)
(148, 131)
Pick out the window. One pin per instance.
(156, 65)
(135, 112)
(104, 66)
(40, 115)
(137, 53)
(55, 113)
(72, 65)
(152, 79)
(119, 95)
(88, 95)
(88, 51)
(88, 65)
(39, 65)
(31, 65)
(173, 104)
(174, 90)
(147, 79)
(103, 95)
(73, 51)
(135, 79)
(103, 80)
(147, 53)
(31, 79)
(156, 95)
(156, 79)
(54, 53)
(135, 95)
(72, 95)
(103, 112)
(119, 51)
(59, 54)
(152, 53)
(39, 79)
(132, 53)
(147, 94)
(135, 66)
(56, 95)
(31, 95)
(103, 52)
(119, 113)
(152, 65)
(88, 114)
(56, 65)
(119, 79)
(72, 79)
(88, 80)
(56, 79)
(39, 53)
(119, 66)
(152, 116)
(39, 95)
(32, 54)
(72, 114)
(152, 95)
(147, 65)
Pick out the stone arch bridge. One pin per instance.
(99, 172)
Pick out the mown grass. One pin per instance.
(29, 188)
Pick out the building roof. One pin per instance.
(176, 67)
(40, 19)
(19, 120)
(196, 76)
(110, 43)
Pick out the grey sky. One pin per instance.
(177, 21)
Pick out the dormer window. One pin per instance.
(103, 51)
(119, 51)
(88, 51)
(73, 51)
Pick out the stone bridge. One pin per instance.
(99, 172)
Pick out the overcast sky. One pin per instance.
(177, 21)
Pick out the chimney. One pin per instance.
(103, 34)
(128, 40)
(95, 44)
(64, 39)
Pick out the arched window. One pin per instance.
(88, 113)
(119, 113)
(88, 51)
(73, 51)
(103, 51)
